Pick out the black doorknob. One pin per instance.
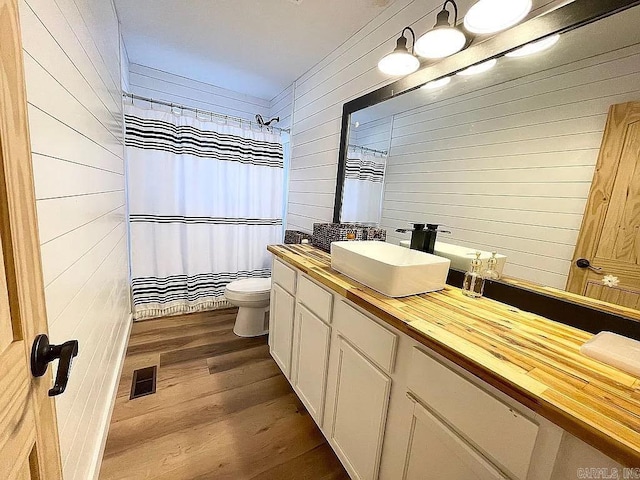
(584, 263)
(42, 353)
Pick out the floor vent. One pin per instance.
(144, 382)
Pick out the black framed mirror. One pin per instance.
(418, 142)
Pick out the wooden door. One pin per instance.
(281, 328)
(311, 358)
(360, 413)
(436, 451)
(610, 234)
(28, 431)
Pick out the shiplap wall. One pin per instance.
(159, 85)
(281, 106)
(509, 167)
(72, 65)
(375, 134)
(347, 73)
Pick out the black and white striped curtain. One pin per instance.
(205, 201)
(363, 184)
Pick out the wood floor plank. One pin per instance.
(232, 360)
(210, 349)
(241, 446)
(184, 341)
(317, 464)
(205, 410)
(222, 410)
(178, 391)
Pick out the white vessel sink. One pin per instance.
(461, 256)
(390, 269)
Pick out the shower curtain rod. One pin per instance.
(365, 149)
(204, 112)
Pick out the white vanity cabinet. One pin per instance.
(281, 315)
(390, 407)
(362, 360)
(311, 357)
(437, 451)
(360, 412)
(312, 337)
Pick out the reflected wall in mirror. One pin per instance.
(505, 160)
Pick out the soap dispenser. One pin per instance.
(492, 268)
(473, 285)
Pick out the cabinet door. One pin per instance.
(435, 451)
(360, 412)
(281, 327)
(311, 357)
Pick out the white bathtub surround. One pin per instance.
(205, 200)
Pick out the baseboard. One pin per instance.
(96, 463)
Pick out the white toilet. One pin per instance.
(251, 295)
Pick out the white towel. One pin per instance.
(615, 350)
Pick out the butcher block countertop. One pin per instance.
(534, 360)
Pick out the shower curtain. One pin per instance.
(363, 183)
(205, 199)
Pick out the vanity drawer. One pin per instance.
(284, 276)
(501, 433)
(315, 298)
(375, 341)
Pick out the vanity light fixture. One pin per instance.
(491, 16)
(479, 68)
(401, 61)
(443, 39)
(437, 83)
(535, 47)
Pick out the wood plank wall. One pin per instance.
(160, 85)
(509, 167)
(347, 73)
(73, 74)
(281, 106)
(375, 134)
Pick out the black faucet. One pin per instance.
(423, 239)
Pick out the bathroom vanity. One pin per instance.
(443, 386)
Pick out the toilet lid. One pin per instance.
(250, 285)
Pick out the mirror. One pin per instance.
(504, 159)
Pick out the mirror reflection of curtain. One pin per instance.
(363, 184)
(205, 201)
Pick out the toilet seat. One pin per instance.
(250, 285)
(249, 289)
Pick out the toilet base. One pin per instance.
(252, 322)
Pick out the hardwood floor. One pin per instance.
(222, 409)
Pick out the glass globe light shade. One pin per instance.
(398, 63)
(491, 16)
(440, 42)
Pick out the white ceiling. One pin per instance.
(257, 47)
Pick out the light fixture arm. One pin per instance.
(413, 37)
(455, 10)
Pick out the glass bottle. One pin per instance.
(473, 285)
(492, 268)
